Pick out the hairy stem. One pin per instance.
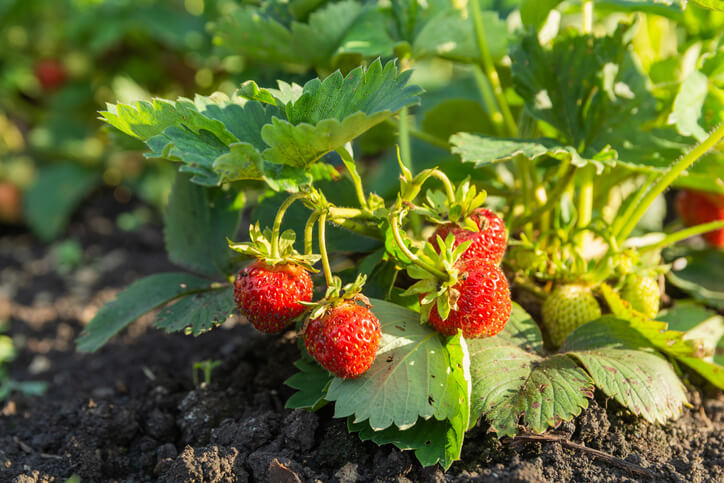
(587, 16)
(449, 188)
(555, 196)
(585, 204)
(683, 234)
(669, 177)
(278, 222)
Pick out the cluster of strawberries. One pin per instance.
(343, 334)
(482, 293)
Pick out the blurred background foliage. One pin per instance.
(62, 60)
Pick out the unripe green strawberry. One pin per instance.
(643, 293)
(566, 308)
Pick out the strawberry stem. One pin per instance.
(449, 188)
(683, 234)
(404, 139)
(585, 204)
(395, 227)
(669, 177)
(587, 16)
(328, 277)
(352, 169)
(489, 68)
(278, 222)
(309, 232)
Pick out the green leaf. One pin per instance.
(330, 30)
(197, 223)
(535, 12)
(511, 378)
(433, 441)
(623, 366)
(586, 87)
(451, 35)
(311, 384)
(417, 373)
(198, 312)
(711, 4)
(701, 276)
(688, 104)
(483, 150)
(139, 298)
(332, 112)
(57, 191)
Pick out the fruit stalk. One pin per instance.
(278, 222)
(309, 232)
(328, 277)
(395, 226)
(352, 169)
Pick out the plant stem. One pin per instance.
(555, 196)
(449, 188)
(496, 117)
(328, 277)
(631, 205)
(352, 169)
(669, 177)
(278, 222)
(585, 204)
(404, 139)
(309, 232)
(395, 226)
(683, 234)
(489, 68)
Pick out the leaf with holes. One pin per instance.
(511, 378)
(624, 365)
(417, 373)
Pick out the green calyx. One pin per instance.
(440, 208)
(437, 290)
(337, 294)
(261, 248)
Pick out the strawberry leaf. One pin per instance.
(332, 112)
(197, 223)
(199, 312)
(483, 150)
(588, 88)
(139, 298)
(509, 382)
(311, 384)
(624, 365)
(417, 374)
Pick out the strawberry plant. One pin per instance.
(505, 272)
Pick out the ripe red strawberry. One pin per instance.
(50, 73)
(695, 208)
(488, 243)
(269, 295)
(483, 307)
(344, 340)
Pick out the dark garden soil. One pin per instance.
(131, 411)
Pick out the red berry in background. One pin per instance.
(483, 307)
(696, 207)
(344, 340)
(50, 73)
(10, 203)
(269, 295)
(488, 243)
